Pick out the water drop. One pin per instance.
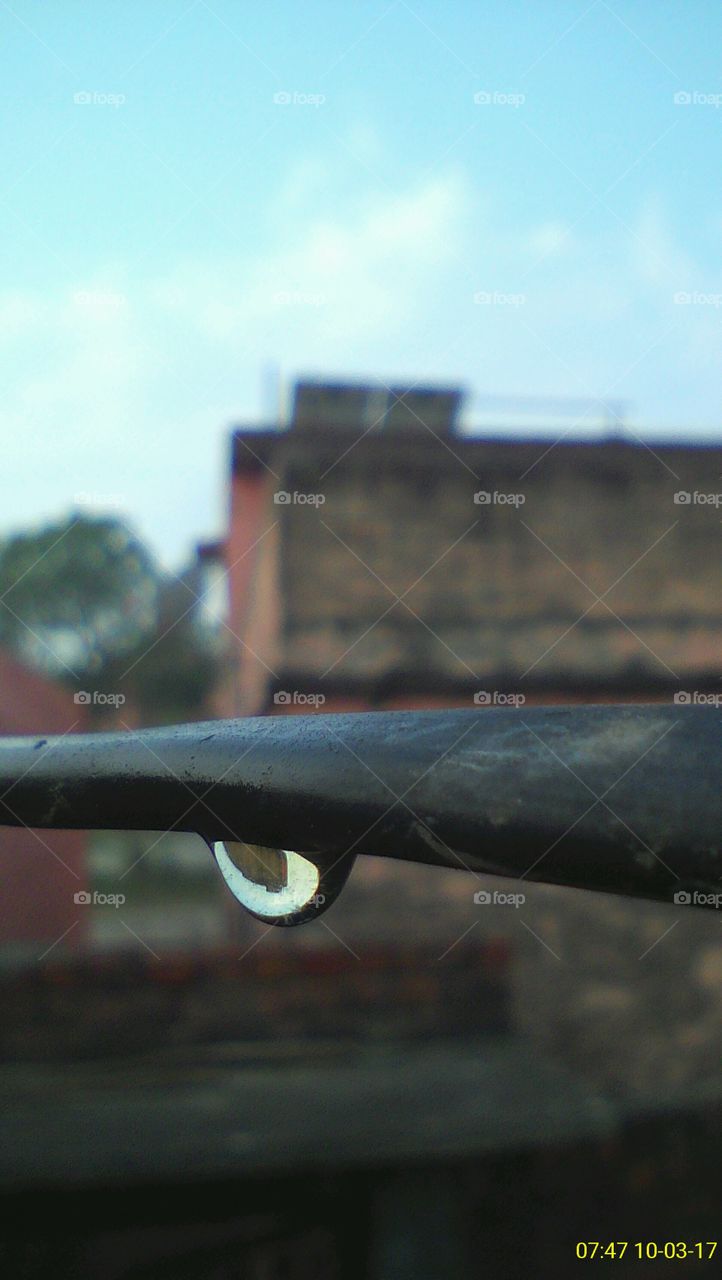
(281, 886)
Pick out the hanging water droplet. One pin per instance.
(280, 886)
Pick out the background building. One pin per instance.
(379, 558)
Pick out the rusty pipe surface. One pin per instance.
(625, 799)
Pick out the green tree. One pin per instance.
(76, 596)
(84, 601)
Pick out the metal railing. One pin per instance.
(624, 799)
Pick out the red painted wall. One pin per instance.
(252, 564)
(40, 871)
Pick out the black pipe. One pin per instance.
(626, 799)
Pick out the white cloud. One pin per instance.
(124, 384)
(655, 255)
(550, 239)
(333, 278)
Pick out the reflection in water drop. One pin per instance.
(280, 886)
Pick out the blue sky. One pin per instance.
(521, 198)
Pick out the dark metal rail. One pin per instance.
(626, 799)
